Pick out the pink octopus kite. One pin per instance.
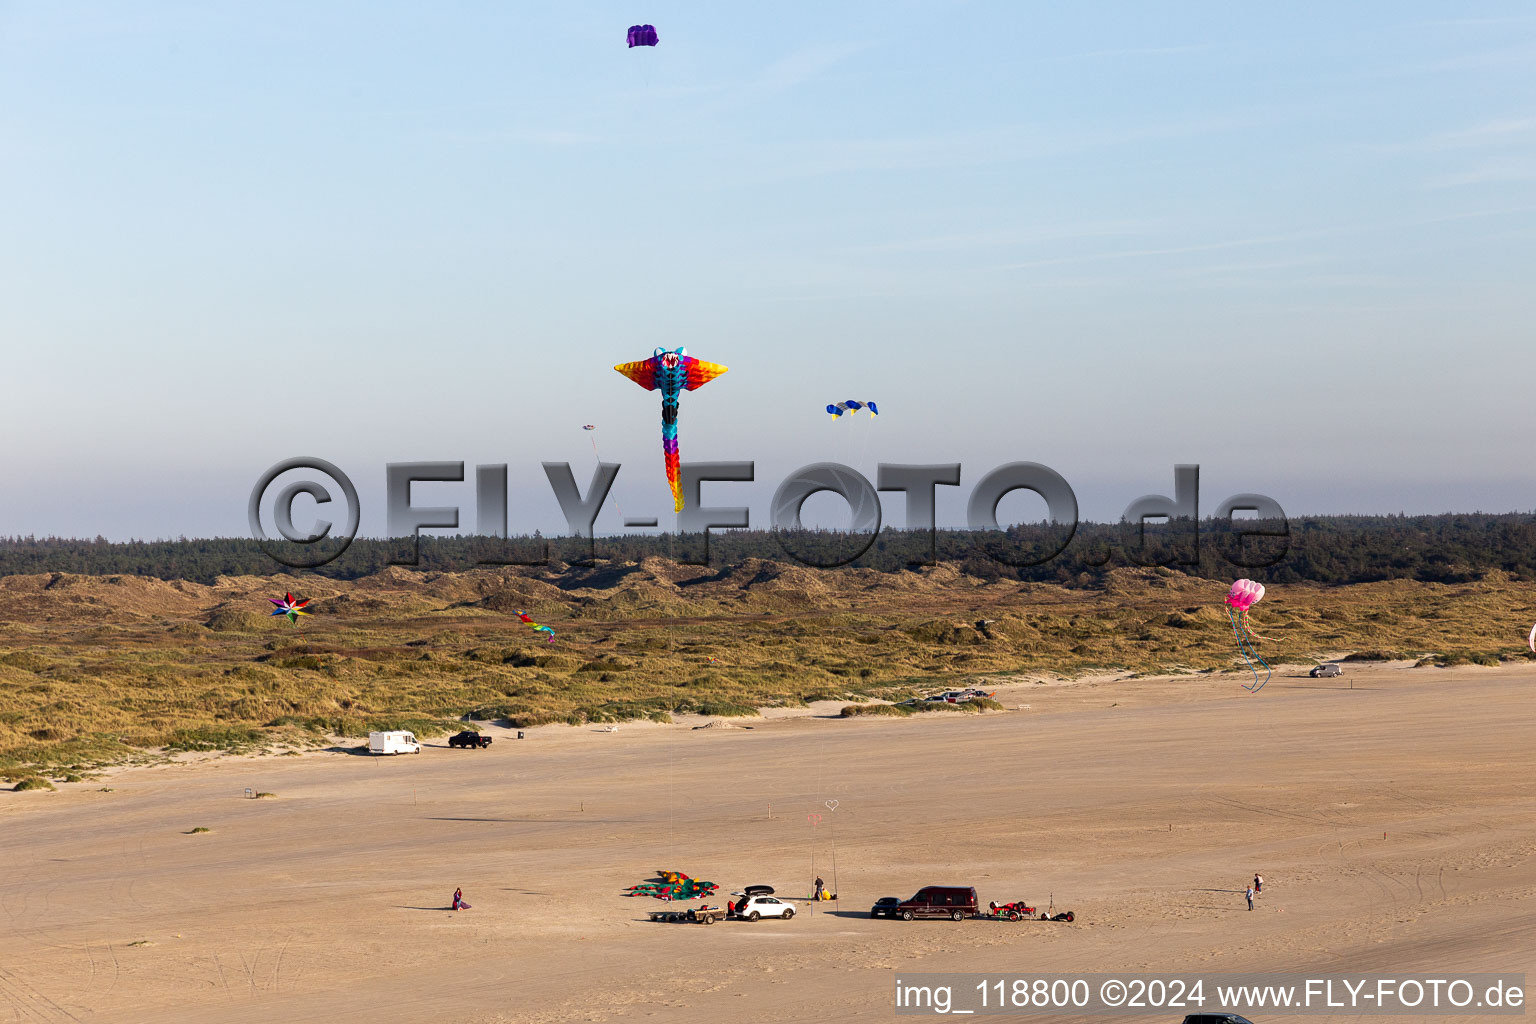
(1243, 596)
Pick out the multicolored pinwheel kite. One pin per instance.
(536, 627)
(1243, 596)
(289, 606)
(673, 372)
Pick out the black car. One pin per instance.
(885, 907)
(469, 739)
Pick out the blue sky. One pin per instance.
(1293, 246)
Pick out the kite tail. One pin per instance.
(537, 628)
(1248, 634)
(674, 472)
(669, 451)
(1245, 648)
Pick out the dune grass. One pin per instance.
(886, 710)
(196, 672)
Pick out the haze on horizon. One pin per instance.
(1294, 246)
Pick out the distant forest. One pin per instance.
(1324, 549)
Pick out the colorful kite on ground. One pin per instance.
(1243, 596)
(536, 627)
(672, 373)
(838, 408)
(642, 35)
(674, 885)
(289, 606)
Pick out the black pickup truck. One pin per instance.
(469, 739)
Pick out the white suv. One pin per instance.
(754, 907)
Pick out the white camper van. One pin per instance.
(397, 742)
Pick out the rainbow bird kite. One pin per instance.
(289, 606)
(672, 372)
(536, 627)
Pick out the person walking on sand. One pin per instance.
(1249, 894)
(821, 889)
(458, 900)
(1258, 883)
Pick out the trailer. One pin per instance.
(693, 915)
(1021, 911)
(1016, 911)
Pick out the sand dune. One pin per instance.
(1143, 805)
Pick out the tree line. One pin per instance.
(1450, 548)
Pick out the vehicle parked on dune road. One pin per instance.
(885, 906)
(395, 741)
(1327, 671)
(756, 906)
(469, 739)
(952, 901)
(958, 696)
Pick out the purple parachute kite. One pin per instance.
(642, 35)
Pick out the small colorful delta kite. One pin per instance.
(289, 606)
(671, 372)
(1243, 596)
(838, 408)
(536, 627)
(642, 35)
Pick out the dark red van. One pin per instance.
(951, 901)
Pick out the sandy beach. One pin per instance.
(1392, 813)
